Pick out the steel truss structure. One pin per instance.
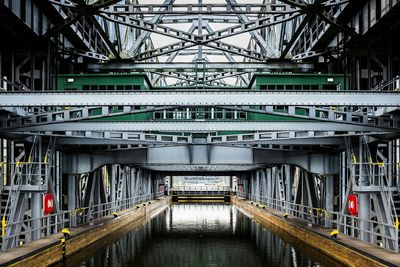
(309, 151)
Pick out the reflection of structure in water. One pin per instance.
(199, 234)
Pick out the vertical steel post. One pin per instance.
(36, 205)
(72, 198)
(113, 171)
(365, 200)
(329, 183)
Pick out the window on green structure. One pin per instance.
(263, 87)
(329, 87)
(102, 87)
(94, 87)
(136, 87)
(314, 87)
(128, 87)
(306, 87)
(289, 87)
(85, 87)
(271, 87)
(280, 87)
(110, 87)
(157, 115)
(120, 87)
(297, 87)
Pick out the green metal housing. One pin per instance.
(260, 81)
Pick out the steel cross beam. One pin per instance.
(207, 66)
(178, 46)
(176, 19)
(264, 46)
(104, 136)
(204, 39)
(75, 114)
(199, 9)
(146, 34)
(200, 126)
(308, 137)
(189, 39)
(266, 140)
(200, 98)
(325, 114)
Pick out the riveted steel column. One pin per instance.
(329, 184)
(364, 198)
(113, 171)
(37, 198)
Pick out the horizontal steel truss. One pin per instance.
(75, 114)
(201, 126)
(313, 113)
(183, 45)
(201, 98)
(281, 140)
(325, 114)
(136, 138)
(199, 9)
(314, 137)
(200, 39)
(206, 66)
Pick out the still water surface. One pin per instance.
(198, 234)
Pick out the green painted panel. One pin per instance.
(130, 81)
(299, 81)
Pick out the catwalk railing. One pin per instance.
(54, 223)
(378, 233)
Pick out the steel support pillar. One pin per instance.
(36, 204)
(113, 172)
(364, 212)
(72, 198)
(329, 194)
(288, 178)
(268, 174)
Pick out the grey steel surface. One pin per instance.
(201, 98)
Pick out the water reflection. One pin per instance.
(198, 234)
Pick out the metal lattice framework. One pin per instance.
(196, 45)
(198, 31)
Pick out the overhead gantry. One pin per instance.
(102, 145)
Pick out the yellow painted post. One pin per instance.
(3, 226)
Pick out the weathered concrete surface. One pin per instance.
(346, 250)
(48, 250)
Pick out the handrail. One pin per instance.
(346, 224)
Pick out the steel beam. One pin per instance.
(199, 9)
(208, 66)
(201, 126)
(325, 114)
(184, 97)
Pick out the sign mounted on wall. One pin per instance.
(353, 205)
(48, 203)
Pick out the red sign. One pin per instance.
(48, 203)
(353, 205)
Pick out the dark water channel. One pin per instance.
(198, 234)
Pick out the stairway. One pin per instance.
(396, 200)
(4, 210)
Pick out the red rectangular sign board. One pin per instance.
(48, 203)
